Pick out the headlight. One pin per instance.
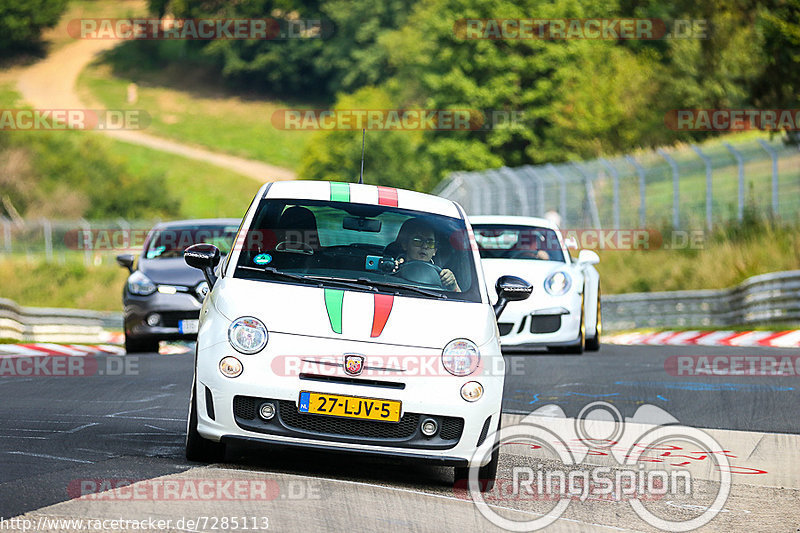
(247, 335)
(557, 283)
(140, 284)
(461, 357)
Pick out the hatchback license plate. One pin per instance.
(349, 406)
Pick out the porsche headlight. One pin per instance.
(461, 357)
(557, 283)
(247, 335)
(140, 284)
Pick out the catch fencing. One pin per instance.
(686, 187)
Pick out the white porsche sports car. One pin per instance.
(564, 315)
(350, 318)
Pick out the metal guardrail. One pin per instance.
(44, 324)
(768, 298)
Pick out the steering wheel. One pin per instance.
(420, 272)
(526, 254)
(294, 247)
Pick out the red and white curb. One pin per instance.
(46, 348)
(774, 339)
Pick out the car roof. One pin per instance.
(361, 194)
(513, 220)
(199, 222)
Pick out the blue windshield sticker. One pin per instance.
(262, 259)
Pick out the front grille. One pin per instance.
(505, 327)
(342, 426)
(289, 421)
(484, 431)
(244, 407)
(545, 323)
(452, 428)
(170, 319)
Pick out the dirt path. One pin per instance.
(51, 83)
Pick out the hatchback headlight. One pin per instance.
(140, 284)
(461, 357)
(557, 283)
(247, 335)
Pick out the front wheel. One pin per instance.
(487, 473)
(198, 448)
(593, 344)
(134, 345)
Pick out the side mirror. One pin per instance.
(571, 243)
(588, 257)
(204, 257)
(126, 260)
(510, 289)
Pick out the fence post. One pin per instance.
(592, 205)
(615, 177)
(523, 190)
(87, 241)
(740, 162)
(774, 155)
(562, 192)
(531, 172)
(676, 199)
(642, 190)
(709, 194)
(7, 234)
(47, 230)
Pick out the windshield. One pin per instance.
(500, 241)
(362, 247)
(173, 241)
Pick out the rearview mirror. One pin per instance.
(126, 260)
(510, 289)
(204, 257)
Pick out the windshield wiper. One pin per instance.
(401, 286)
(344, 282)
(275, 272)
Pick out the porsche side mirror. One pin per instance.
(510, 289)
(204, 257)
(588, 257)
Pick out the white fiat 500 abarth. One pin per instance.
(351, 318)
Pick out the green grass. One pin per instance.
(71, 284)
(187, 106)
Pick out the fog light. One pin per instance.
(153, 319)
(230, 367)
(429, 427)
(472, 391)
(267, 411)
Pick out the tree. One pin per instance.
(22, 22)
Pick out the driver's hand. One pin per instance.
(397, 262)
(449, 280)
(541, 254)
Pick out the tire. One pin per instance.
(487, 473)
(593, 344)
(580, 344)
(134, 345)
(198, 448)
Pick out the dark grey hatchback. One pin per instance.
(162, 296)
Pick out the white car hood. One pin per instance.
(302, 310)
(532, 271)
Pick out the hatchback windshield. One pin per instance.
(172, 241)
(364, 247)
(499, 241)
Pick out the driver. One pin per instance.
(416, 241)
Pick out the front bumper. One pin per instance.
(171, 307)
(541, 322)
(463, 427)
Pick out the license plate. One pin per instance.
(349, 406)
(188, 326)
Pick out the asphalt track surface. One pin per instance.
(128, 423)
